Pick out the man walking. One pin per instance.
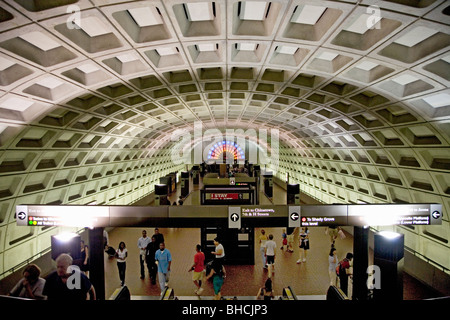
(152, 247)
(270, 248)
(164, 259)
(142, 245)
(198, 267)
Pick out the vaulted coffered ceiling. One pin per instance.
(91, 91)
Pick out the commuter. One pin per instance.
(219, 253)
(218, 273)
(121, 256)
(62, 284)
(164, 260)
(344, 271)
(332, 232)
(283, 239)
(84, 265)
(105, 239)
(142, 245)
(290, 239)
(262, 247)
(332, 265)
(31, 285)
(266, 292)
(158, 236)
(303, 244)
(270, 248)
(150, 251)
(198, 269)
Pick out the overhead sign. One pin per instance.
(324, 215)
(398, 214)
(68, 216)
(294, 216)
(234, 217)
(305, 216)
(225, 196)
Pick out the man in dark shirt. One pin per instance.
(152, 247)
(158, 236)
(62, 284)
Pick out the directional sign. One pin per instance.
(21, 215)
(234, 217)
(294, 216)
(436, 213)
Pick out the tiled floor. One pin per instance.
(307, 278)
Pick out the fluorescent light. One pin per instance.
(66, 236)
(389, 234)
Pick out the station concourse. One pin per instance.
(105, 102)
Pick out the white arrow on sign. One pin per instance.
(436, 214)
(234, 217)
(21, 215)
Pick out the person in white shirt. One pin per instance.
(270, 248)
(121, 256)
(303, 244)
(142, 245)
(333, 262)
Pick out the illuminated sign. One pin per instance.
(323, 215)
(68, 216)
(225, 196)
(399, 214)
(305, 215)
(257, 212)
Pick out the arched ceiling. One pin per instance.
(92, 90)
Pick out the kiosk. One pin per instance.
(184, 184)
(268, 184)
(161, 195)
(293, 194)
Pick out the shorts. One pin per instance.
(304, 245)
(217, 284)
(197, 276)
(270, 259)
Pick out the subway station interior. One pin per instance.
(315, 106)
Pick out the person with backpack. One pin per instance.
(343, 271)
